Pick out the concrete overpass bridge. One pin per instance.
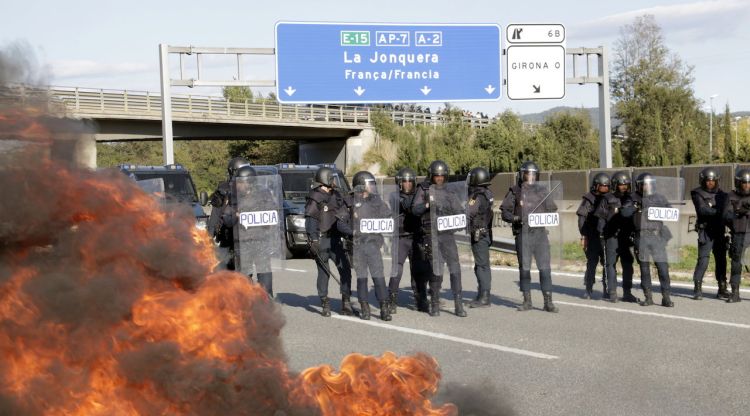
(327, 133)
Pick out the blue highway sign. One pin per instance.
(383, 63)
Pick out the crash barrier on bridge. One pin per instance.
(88, 102)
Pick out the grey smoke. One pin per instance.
(19, 65)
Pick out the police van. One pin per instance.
(176, 184)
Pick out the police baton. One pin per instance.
(321, 263)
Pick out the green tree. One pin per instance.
(503, 142)
(725, 141)
(259, 152)
(652, 90)
(237, 94)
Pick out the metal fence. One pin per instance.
(91, 102)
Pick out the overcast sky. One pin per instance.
(113, 45)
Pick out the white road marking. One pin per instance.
(450, 338)
(293, 270)
(660, 315)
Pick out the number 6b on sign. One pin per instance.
(547, 219)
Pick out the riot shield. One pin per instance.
(541, 238)
(375, 231)
(258, 226)
(449, 225)
(392, 198)
(659, 236)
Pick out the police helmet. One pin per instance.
(600, 179)
(479, 177)
(528, 172)
(645, 184)
(438, 168)
(363, 181)
(236, 163)
(406, 175)
(708, 174)
(620, 178)
(742, 176)
(324, 176)
(245, 171)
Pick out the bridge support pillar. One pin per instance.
(356, 147)
(75, 149)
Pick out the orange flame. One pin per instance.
(108, 306)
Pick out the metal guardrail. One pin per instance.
(93, 102)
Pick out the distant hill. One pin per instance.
(539, 118)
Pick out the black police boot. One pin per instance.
(435, 303)
(422, 304)
(346, 305)
(627, 296)
(612, 296)
(735, 296)
(665, 299)
(589, 292)
(326, 305)
(392, 302)
(722, 293)
(385, 311)
(364, 311)
(548, 305)
(459, 305)
(698, 290)
(647, 300)
(526, 305)
(482, 301)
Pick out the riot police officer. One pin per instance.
(480, 217)
(651, 238)
(220, 206)
(258, 240)
(616, 225)
(366, 247)
(323, 202)
(737, 215)
(408, 225)
(433, 191)
(588, 223)
(709, 201)
(530, 241)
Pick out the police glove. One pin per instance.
(584, 243)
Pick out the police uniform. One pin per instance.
(709, 207)
(480, 218)
(737, 215)
(531, 242)
(650, 243)
(366, 248)
(436, 198)
(408, 227)
(616, 226)
(320, 224)
(263, 200)
(587, 226)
